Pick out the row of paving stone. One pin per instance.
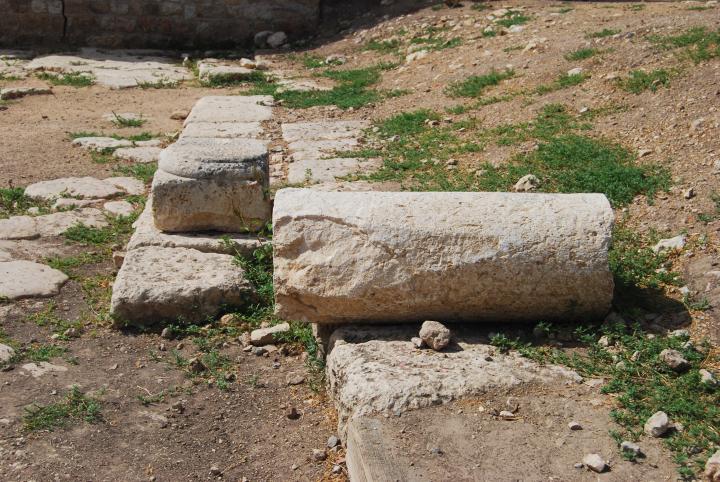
(77, 201)
(210, 188)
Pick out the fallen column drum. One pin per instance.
(385, 257)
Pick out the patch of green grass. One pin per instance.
(698, 8)
(121, 121)
(72, 79)
(582, 54)
(69, 264)
(699, 43)
(384, 46)
(480, 6)
(474, 86)
(103, 156)
(353, 89)
(13, 201)
(230, 80)
(513, 18)
(143, 136)
(642, 384)
(43, 353)
(572, 163)
(142, 171)
(640, 81)
(606, 32)
(637, 7)
(562, 82)
(489, 33)
(115, 233)
(76, 407)
(635, 265)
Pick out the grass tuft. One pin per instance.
(76, 407)
(72, 79)
(474, 86)
(581, 54)
(606, 32)
(640, 81)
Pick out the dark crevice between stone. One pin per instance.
(65, 19)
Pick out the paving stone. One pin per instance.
(222, 129)
(25, 279)
(373, 256)
(202, 158)
(217, 203)
(377, 369)
(39, 369)
(119, 208)
(327, 170)
(231, 109)
(5, 256)
(18, 92)
(78, 187)
(217, 71)
(315, 149)
(266, 336)
(299, 131)
(118, 69)
(171, 284)
(142, 155)
(130, 185)
(18, 227)
(67, 203)
(100, 143)
(56, 224)
(146, 234)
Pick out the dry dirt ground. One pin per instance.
(185, 425)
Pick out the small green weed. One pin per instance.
(13, 201)
(69, 264)
(606, 32)
(640, 81)
(562, 82)
(513, 18)
(142, 171)
(635, 265)
(700, 44)
(582, 54)
(637, 7)
(384, 46)
(72, 79)
(121, 121)
(76, 407)
(118, 229)
(474, 86)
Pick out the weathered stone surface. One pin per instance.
(712, 468)
(18, 92)
(266, 336)
(168, 284)
(298, 131)
(253, 108)
(181, 204)
(671, 244)
(68, 202)
(394, 257)
(324, 148)
(78, 187)
(222, 129)
(146, 234)
(143, 155)
(6, 353)
(212, 70)
(657, 424)
(25, 279)
(316, 170)
(117, 69)
(674, 359)
(28, 227)
(130, 185)
(376, 369)
(39, 369)
(435, 335)
(595, 463)
(119, 208)
(202, 158)
(18, 227)
(100, 143)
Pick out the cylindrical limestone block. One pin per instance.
(342, 257)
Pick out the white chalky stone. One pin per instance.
(25, 279)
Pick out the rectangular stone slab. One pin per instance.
(216, 203)
(231, 108)
(326, 170)
(344, 257)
